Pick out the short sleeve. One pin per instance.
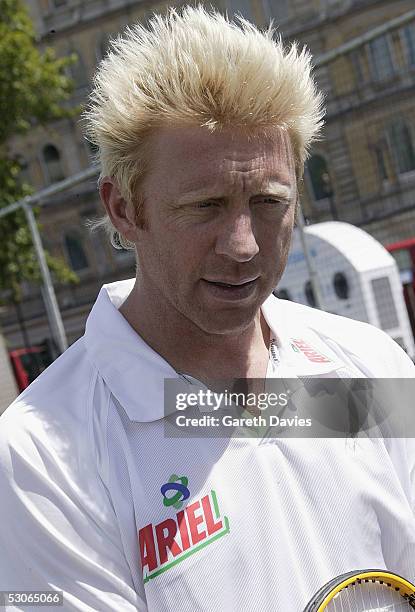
(58, 530)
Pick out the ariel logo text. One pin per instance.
(173, 540)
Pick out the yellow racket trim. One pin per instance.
(400, 584)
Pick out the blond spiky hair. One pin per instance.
(195, 67)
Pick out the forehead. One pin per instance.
(189, 157)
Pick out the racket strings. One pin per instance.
(370, 595)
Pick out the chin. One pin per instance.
(225, 323)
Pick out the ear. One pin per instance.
(119, 211)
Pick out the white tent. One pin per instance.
(358, 278)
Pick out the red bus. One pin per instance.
(404, 254)
(28, 363)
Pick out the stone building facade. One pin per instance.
(362, 172)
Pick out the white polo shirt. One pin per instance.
(87, 479)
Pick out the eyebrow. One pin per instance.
(279, 189)
(272, 188)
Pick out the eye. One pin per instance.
(272, 201)
(207, 204)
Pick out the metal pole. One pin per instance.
(309, 261)
(40, 196)
(51, 303)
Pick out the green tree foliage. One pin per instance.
(33, 88)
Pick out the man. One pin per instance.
(203, 128)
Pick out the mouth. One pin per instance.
(235, 290)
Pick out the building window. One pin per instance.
(409, 37)
(381, 59)
(381, 163)
(77, 71)
(385, 303)
(319, 177)
(341, 286)
(309, 294)
(75, 250)
(357, 63)
(97, 242)
(53, 166)
(402, 146)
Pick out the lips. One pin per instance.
(232, 283)
(234, 290)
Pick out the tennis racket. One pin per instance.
(364, 591)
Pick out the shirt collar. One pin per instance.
(135, 373)
(302, 350)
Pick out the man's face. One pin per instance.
(219, 214)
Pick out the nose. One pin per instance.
(236, 239)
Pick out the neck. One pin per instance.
(197, 353)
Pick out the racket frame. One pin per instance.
(334, 586)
